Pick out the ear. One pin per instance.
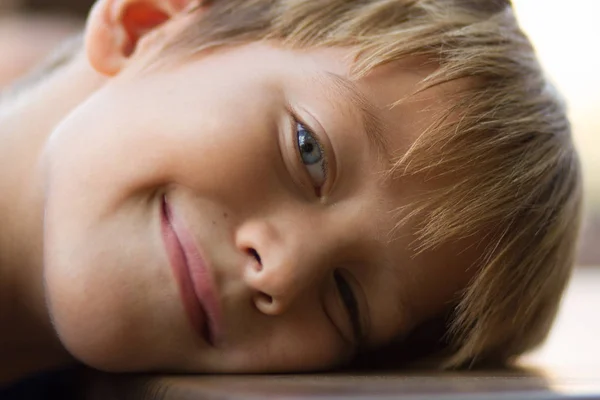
(115, 28)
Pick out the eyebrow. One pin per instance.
(373, 126)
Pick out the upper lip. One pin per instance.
(198, 272)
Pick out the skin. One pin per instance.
(25, 40)
(90, 155)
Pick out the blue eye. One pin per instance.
(310, 150)
(312, 154)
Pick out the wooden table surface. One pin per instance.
(567, 366)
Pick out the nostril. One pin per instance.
(255, 254)
(265, 298)
(264, 303)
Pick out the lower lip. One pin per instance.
(191, 303)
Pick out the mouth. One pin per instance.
(192, 275)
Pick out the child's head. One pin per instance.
(348, 170)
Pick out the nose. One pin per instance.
(281, 267)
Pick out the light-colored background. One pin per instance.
(566, 35)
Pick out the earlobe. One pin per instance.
(115, 28)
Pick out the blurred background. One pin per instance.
(565, 35)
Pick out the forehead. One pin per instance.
(388, 100)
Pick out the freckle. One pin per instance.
(225, 215)
(214, 222)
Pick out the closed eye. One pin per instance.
(349, 300)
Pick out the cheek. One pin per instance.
(112, 298)
(109, 289)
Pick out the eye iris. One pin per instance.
(309, 148)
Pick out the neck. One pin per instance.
(28, 342)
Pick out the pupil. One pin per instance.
(307, 147)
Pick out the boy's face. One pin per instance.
(272, 251)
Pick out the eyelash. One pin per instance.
(350, 303)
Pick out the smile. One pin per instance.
(192, 276)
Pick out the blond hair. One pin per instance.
(512, 175)
(507, 174)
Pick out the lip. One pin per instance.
(192, 275)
